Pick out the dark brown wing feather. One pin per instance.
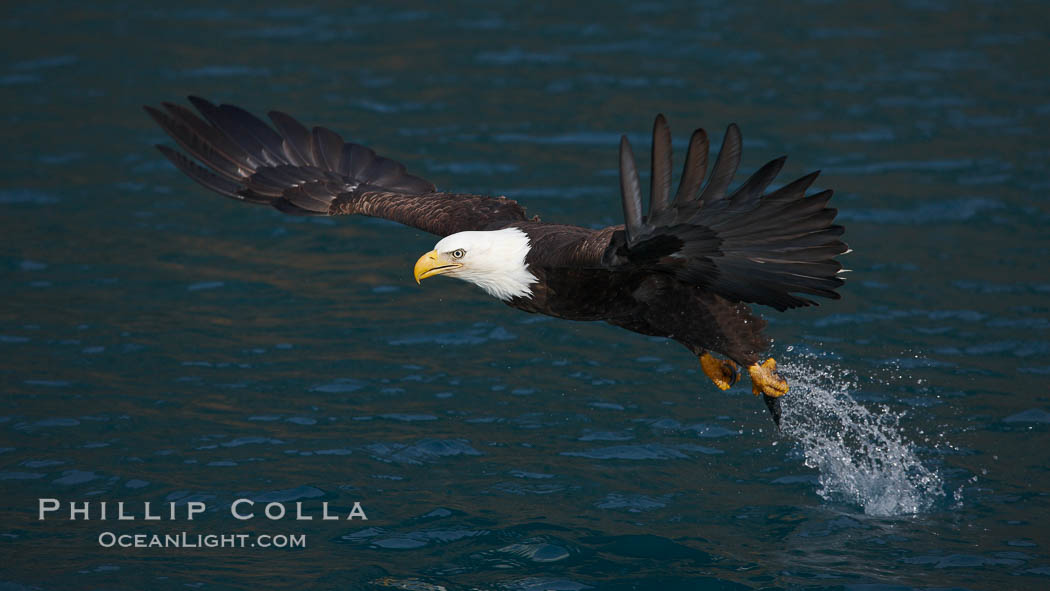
(660, 180)
(313, 172)
(744, 245)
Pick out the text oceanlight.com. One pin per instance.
(187, 540)
(242, 509)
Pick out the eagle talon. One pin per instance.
(722, 372)
(765, 379)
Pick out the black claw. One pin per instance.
(734, 377)
(773, 404)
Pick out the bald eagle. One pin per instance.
(685, 270)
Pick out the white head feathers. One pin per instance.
(493, 260)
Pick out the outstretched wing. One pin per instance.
(313, 172)
(745, 245)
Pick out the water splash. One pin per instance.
(862, 455)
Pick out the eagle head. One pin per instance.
(492, 260)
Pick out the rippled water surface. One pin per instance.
(163, 344)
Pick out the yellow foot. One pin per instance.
(721, 371)
(766, 380)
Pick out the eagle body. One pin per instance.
(686, 269)
(652, 304)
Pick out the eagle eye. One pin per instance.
(458, 253)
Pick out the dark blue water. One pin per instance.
(163, 344)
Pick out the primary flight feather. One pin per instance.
(685, 270)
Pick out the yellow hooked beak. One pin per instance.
(433, 263)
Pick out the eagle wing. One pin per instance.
(745, 245)
(313, 172)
